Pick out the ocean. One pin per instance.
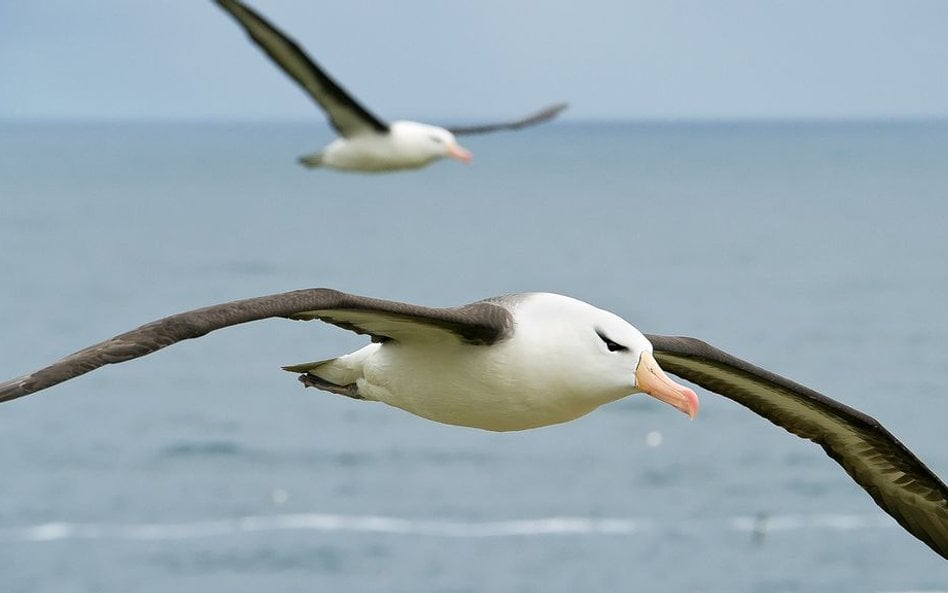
(818, 250)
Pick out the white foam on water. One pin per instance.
(46, 532)
(549, 526)
(838, 522)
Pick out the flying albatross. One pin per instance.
(528, 360)
(366, 143)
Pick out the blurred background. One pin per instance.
(422, 59)
(770, 177)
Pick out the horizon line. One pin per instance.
(563, 121)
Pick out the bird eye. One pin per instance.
(610, 345)
(436, 139)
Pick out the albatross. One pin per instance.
(366, 143)
(528, 360)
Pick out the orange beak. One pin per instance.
(461, 154)
(651, 379)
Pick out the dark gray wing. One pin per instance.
(545, 114)
(897, 480)
(477, 323)
(346, 115)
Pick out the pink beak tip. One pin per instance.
(691, 408)
(461, 154)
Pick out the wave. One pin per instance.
(550, 526)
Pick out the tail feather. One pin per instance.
(336, 375)
(306, 367)
(312, 160)
(327, 375)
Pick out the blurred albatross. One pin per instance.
(366, 143)
(529, 360)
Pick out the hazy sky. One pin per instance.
(444, 60)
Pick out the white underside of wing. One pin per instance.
(384, 324)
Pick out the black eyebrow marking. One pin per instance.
(611, 345)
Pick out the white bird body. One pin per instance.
(516, 384)
(407, 145)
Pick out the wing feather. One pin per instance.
(538, 117)
(892, 475)
(346, 115)
(477, 323)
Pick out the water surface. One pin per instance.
(816, 250)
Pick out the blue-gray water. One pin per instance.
(817, 250)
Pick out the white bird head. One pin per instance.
(595, 353)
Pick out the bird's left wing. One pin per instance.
(892, 475)
(545, 114)
(477, 323)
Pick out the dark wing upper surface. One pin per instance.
(477, 323)
(345, 114)
(480, 323)
(545, 114)
(897, 480)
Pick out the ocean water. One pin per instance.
(817, 250)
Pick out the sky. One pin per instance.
(453, 61)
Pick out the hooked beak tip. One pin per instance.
(651, 379)
(692, 405)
